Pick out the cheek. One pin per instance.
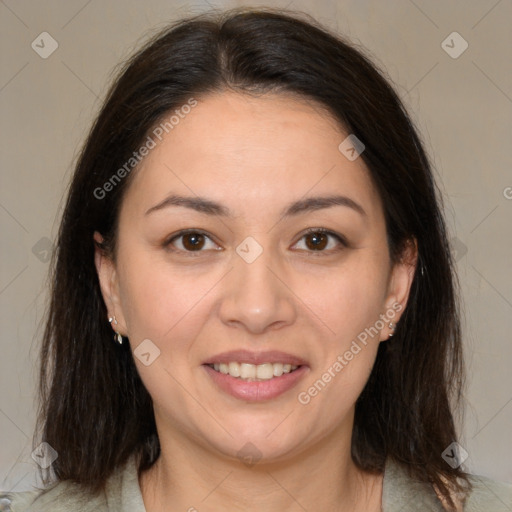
(161, 302)
(164, 306)
(349, 299)
(346, 358)
(349, 303)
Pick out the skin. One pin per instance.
(245, 152)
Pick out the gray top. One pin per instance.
(400, 493)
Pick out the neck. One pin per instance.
(190, 477)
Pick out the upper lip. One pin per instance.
(246, 356)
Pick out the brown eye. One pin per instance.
(316, 241)
(319, 239)
(193, 241)
(189, 241)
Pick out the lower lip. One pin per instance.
(256, 391)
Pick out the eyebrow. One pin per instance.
(210, 207)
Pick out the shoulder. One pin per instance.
(11, 502)
(60, 497)
(399, 489)
(489, 495)
(122, 492)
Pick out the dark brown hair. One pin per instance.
(95, 410)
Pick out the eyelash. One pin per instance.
(309, 231)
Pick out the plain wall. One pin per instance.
(462, 106)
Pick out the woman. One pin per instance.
(254, 219)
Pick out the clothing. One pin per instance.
(399, 494)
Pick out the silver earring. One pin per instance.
(392, 326)
(117, 337)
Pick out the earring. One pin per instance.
(117, 337)
(392, 326)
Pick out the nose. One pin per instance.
(256, 296)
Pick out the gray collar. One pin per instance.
(402, 493)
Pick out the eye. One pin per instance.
(317, 239)
(193, 240)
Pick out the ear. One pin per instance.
(399, 286)
(107, 276)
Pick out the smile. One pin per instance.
(254, 388)
(253, 372)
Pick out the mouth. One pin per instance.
(252, 372)
(255, 377)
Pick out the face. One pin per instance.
(248, 285)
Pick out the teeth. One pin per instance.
(278, 369)
(234, 369)
(248, 371)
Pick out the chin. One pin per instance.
(262, 444)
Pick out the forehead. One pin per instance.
(245, 151)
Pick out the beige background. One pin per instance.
(463, 107)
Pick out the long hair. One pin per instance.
(94, 409)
